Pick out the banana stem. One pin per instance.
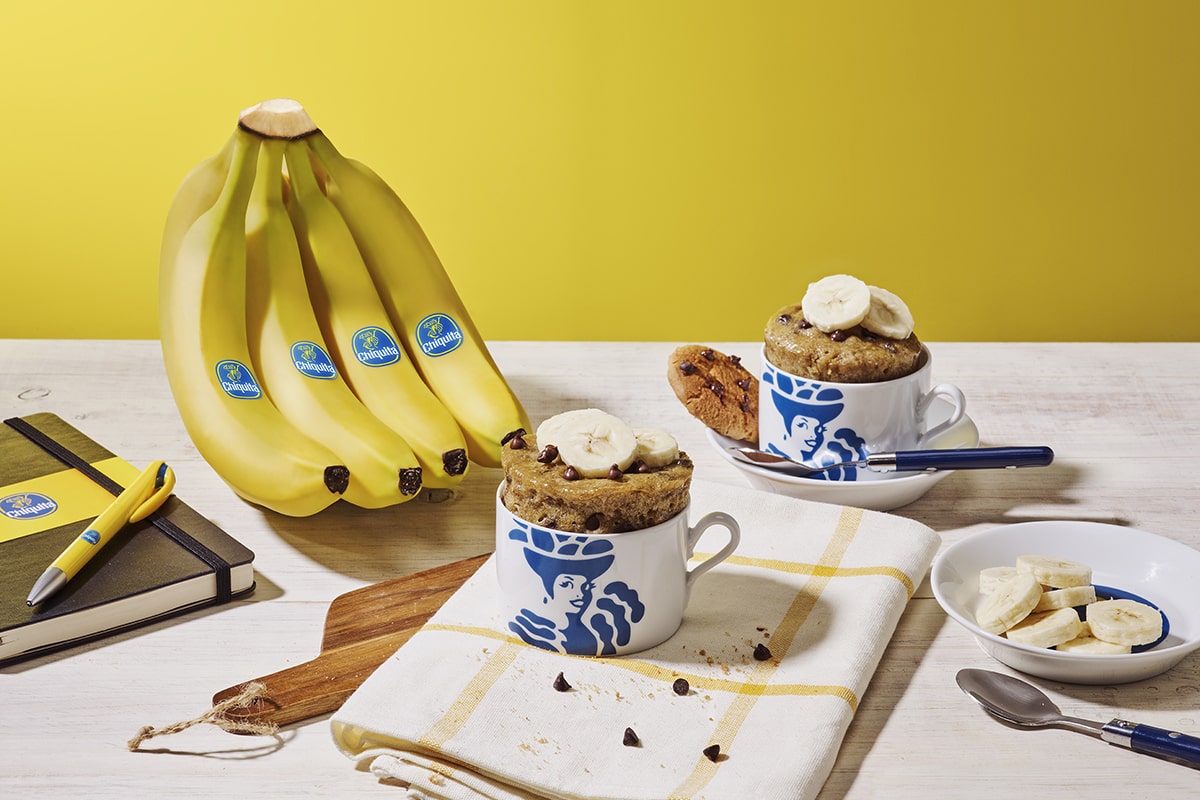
(280, 118)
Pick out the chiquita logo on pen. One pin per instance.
(375, 347)
(312, 361)
(237, 380)
(27, 505)
(438, 334)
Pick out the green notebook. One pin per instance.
(54, 480)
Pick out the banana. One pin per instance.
(1011, 602)
(286, 348)
(1069, 597)
(654, 448)
(359, 333)
(1058, 573)
(423, 304)
(836, 302)
(199, 191)
(888, 315)
(991, 577)
(263, 457)
(1085, 642)
(1046, 628)
(590, 440)
(1124, 621)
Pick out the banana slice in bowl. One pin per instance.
(1140, 581)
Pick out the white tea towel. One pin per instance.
(466, 711)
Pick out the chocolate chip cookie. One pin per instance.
(716, 389)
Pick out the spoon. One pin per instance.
(908, 460)
(1013, 700)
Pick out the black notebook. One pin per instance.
(54, 480)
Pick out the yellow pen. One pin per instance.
(138, 501)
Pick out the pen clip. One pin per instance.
(164, 482)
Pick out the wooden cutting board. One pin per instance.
(362, 629)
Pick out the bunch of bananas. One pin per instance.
(313, 342)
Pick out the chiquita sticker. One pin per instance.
(237, 380)
(438, 334)
(312, 361)
(375, 347)
(27, 505)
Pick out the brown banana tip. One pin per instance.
(410, 480)
(337, 479)
(455, 461)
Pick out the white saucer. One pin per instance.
(877, 495)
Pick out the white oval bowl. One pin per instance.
(1160, 570)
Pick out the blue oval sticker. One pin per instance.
(237, 380)
(375, 347)
(27, 505)
(439, 334)
(312, 361)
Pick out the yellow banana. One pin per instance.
(289, 355)
(423, 304)
(360, 335)
(200, 189)
(264, 458)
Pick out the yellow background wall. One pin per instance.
(643, 170)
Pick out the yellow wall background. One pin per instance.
(1025, 170)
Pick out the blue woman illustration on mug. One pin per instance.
(807, 410)
(569, 611)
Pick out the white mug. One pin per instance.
(600, 594)
(819, 423)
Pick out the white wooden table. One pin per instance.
(1124, 420)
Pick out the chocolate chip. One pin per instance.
(681, 686)
(712, 752)
(614, 473)
(784, 319)
(708, 354)
(630, 739)
(516, 443)
(455, 461)
(839, 336)
(735, 360)
(804, 324)
(410, 480)
(560, 684)
(717, 388)
(571, 474)
(641, 467)
(687, 367)
(511, 434)
(548, 455)
(592, 522)
(744, 384)
(744, 404)
(761, 652)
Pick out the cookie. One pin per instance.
(716, 389)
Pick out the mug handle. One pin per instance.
(949, 392)
(693, 536)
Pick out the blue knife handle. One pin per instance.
(1168, 744)
(973, 458)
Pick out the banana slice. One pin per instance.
(1086, 643)
(1046, 628)
(888, 315)
(1010, 603)
(836, 302)
(1066, 598)
(1124, 621)
(655, 448)
(590, 440)
(991, 578)
(1057, 573)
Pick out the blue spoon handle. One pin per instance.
(1152, 740)
(969, 458)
